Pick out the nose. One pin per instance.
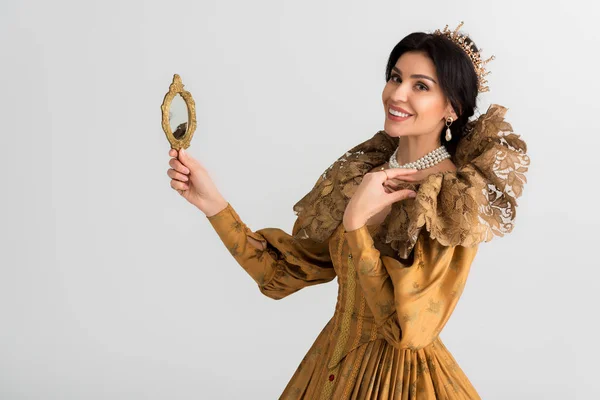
(400, 93)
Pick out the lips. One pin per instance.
(395, 118)
(402, 110)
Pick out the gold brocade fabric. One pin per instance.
(382, 341)
(463, 207)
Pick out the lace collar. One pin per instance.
(463, 207)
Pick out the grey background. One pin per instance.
(113, 287)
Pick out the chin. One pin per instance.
(393, 131)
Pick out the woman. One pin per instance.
(398, 219)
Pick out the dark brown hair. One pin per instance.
(456, 75)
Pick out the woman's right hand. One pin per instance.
(194, 184)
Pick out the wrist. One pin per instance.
(352, 219)
(213, 207)
(351, 224)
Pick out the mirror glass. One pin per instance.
(178, 117)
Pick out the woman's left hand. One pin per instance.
(371, 196)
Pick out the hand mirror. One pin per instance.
(178, 115)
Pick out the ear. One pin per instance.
(450, 112)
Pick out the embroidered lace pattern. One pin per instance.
(463, 207)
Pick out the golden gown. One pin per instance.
(396, 292)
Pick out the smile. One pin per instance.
(397, 116)
(398, 113)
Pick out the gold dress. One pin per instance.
(398, 283)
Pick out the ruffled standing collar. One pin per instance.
(463, 207)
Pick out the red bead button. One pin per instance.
(331, 377)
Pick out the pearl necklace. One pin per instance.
(427, 161)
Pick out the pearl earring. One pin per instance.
(448, 133)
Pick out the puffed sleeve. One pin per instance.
(412, 302)
(286, 264)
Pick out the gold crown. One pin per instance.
(475, 56)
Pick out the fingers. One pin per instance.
(398, 180)
(393, 196)
(178, 166)
(186, 159)
(390, 186)
(395, 183)
(179, 185)
(177, 176)
(400, 172)
(389, 174)
(403, 195)
(178, 173)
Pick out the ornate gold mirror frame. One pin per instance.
(182, 136)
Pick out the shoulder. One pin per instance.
(321, 210)
(473, 202)
(477, 200)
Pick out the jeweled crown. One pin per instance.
(465, 43)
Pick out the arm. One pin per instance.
(278, 263)
(410, 303)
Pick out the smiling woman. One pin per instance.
(439, 83)
(401, 261)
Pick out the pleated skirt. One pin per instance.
(377, 370)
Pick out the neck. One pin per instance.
(411, 148)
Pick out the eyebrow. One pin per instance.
(415, 75)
